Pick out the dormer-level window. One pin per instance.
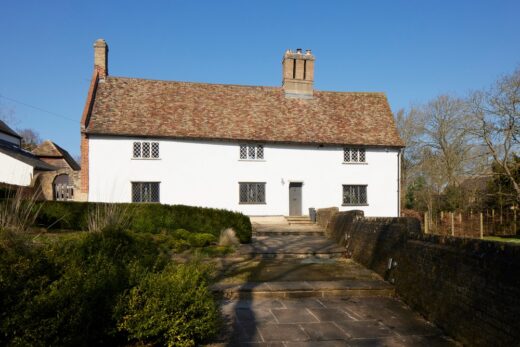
(146, 150)
(354, 155)
(251, 152)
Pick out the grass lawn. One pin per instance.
(515, 240)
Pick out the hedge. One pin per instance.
(152, 218)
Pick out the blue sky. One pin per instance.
(411, 50)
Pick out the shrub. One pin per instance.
(150, 218)
(103, 217)
(173, 308)
(228, 238)
(65, 293)
(19, 210)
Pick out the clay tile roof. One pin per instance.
(139, 107)
(48, 149)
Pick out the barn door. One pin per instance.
(295, 199)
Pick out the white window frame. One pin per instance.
(138, 150)
(354, 155)
(251, 152)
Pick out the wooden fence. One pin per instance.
(472, 223)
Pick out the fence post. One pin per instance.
(442, 216)
(481, 226)
(514, 219)
(426, 222)
(452, 224)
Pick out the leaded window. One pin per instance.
(354, 195)
(354, 155)
(252, 193)
(251, 152)
(145, 192)
(146, 150)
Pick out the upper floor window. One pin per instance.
(146, 150)
(354, 195)
(354, 155)
(251, 152)
(145, 192)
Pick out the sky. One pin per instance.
(411, 50)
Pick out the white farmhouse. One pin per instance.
(257, 150)
(18, 167)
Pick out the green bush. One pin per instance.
(150, 218)
(171, 308)
(193, 239)
(65, 293)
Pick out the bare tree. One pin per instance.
(409, 129)
(495, 123)
(30, 139)
(7, 115)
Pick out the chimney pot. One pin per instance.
(298, 74)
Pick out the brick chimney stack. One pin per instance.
(101, 58)
(298, 73)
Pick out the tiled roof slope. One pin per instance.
(139, 107)
(49, 149)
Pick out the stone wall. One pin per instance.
(468, 287)
(325, 216)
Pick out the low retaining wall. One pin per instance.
(468, 287)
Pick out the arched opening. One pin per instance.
(63, 188)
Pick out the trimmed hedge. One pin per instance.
(151, 218)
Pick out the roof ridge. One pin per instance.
(240, 85)
(190, 82)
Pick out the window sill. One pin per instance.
(354, 163)
(354, 204)
(252, 160)
(252, 203)
(145, 159)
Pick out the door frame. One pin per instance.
(301, 196)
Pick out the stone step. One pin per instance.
(294, 255)
(305, 289)
(298, 219)
(291, 246)
(311, 232)
(301, 222)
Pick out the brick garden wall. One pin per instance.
(468, 287)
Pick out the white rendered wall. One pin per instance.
(208, 174)
(10, 138)
(13, 171)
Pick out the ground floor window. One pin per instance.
(354, 194)
(145, 192)
(252, 192)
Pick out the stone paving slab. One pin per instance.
(326, 322)
(322, 289)
(286, 246)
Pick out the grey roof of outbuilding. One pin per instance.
(24, 156)
(4, 128)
